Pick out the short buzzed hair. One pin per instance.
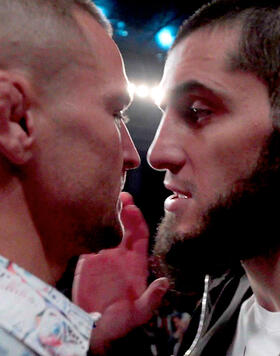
(92, 9)
(43, 36)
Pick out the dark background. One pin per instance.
(144, 61)
(135, 27)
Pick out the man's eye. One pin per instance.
(120, 117)
(198, 115)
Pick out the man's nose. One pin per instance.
(130, 155)
(166, 151)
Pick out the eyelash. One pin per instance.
(120, 116)
(197, 116)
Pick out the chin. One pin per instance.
(110, 235)
(181, 225)
(101, 235)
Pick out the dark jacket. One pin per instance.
(221, 306)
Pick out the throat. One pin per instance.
(264, 277)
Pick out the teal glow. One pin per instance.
(165, 37)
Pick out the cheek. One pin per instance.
(82, 161)
(234, 156)
(97, 140)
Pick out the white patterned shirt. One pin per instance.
(36, 319)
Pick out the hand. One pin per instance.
(114, 282)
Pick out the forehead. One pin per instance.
(201, 63)
(203, 49)
(103, 57)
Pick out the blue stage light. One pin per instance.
(166, 36)
(122, 33)
(121, 29)
(104, 10)
(121, 25)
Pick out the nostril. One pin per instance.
(131, 158)
(23, 125)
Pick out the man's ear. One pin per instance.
(16, 124)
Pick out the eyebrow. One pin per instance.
(191, 87)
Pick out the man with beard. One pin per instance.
(64, 154)
(219, 143)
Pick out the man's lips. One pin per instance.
(179, 200)
(175, 203)
(177, 192)
(123, 180)
(178, 196)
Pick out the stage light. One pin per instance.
(131, 89)
(121, 25)
(145, 92)
(166, 36)
(120, 30)
(156, 94)
(104, 10)
(142, 91)
(122, 33)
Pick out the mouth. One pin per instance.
(119, 206)
(123, 180)
(178, 193)
(179, 200)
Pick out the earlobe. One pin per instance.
(16, 124)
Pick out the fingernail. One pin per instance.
(163, 283)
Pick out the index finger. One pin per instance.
(135, 229)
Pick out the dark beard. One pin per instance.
(238, 227)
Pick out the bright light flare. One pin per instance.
(165, 37)
(142, 91)
(103, 10)
(131, 89)
(156, 94)
(145, 92)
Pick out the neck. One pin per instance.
(264, 277)
(19, 240)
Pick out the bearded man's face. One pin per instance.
(240, 225)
